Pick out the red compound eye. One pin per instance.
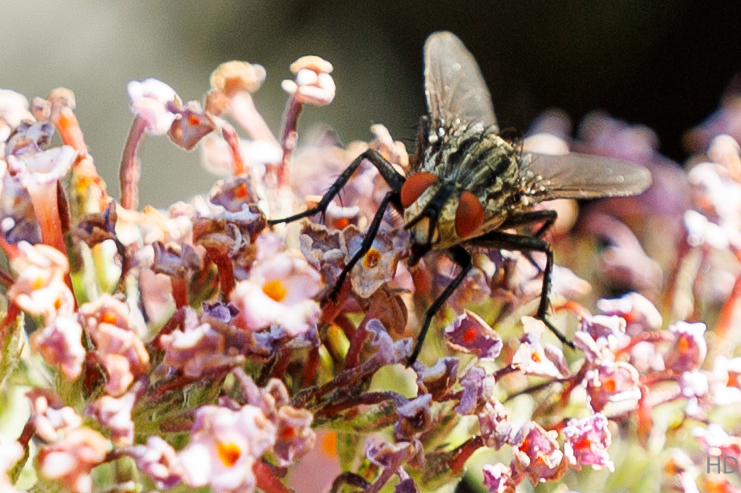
(469, 216)
(416, 186)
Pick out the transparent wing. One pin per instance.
(454, 86)
(580, 176)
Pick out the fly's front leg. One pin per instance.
(370, 235)
(461, 257)
(526, 244)
(394, 179)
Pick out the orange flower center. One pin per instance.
(275, 290)
(469, 336)
(229, 453)
(108, 317)
(372, 258)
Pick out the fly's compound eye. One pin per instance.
(470, 215)
(415, 186)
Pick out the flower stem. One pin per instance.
(130, 171)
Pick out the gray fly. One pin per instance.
(471, 188)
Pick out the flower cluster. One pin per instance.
(203, 345)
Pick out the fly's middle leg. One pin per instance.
(526, 244)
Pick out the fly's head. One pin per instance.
(438, 213)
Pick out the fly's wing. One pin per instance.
(454, 86)
(580, 176)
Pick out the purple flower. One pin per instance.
(537, 454)
(295, 438)
(498, 478)
(478, 388)
(496, 430)
(469, 333)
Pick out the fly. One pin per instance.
(469, 187)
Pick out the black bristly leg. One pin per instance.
(547, 217)
(507, 241)
(394, 179)
(460, 256)
(370, 235)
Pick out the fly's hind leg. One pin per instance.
(526, 244)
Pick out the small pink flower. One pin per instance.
(224, 446)
(586, 442)
(532, 358)
(616, 384)
(637, 311)
(537, 454)
(154, 102)
(51, 419)
(279, 291)
(40, 288)
(312, 84)
(715, 441)
(73, 457)
(121, 351)
(726, 381)
(160, 461)
(690, 347)
(60, 344)
(115, 415)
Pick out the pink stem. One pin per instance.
(242, 109)
(130, 171)
(289, 138)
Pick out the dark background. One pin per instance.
(664, 64)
